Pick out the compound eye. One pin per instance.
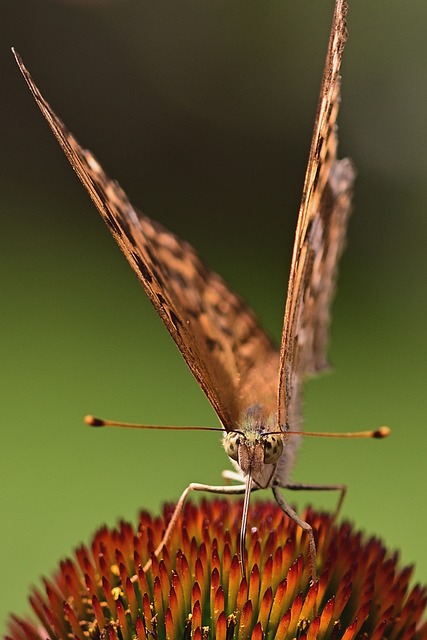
(231, 445)
(273, 447)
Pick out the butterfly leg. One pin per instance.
(342, 488)
(194, 486)
(304, 526)
(233, 476)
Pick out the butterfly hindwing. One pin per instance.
(319, 241)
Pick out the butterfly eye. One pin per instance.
(231, 445)
(273, 447)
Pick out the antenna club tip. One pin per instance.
(382, 432)
(93, 422)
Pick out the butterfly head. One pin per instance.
(255, 451)
(254, 447)
(247, 449)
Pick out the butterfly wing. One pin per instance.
(216, 332)
(319, 241)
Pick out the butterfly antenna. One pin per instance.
(99, 422)
(381, 432)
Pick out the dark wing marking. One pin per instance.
(319, 240)
(216, 332)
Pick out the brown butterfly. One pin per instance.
(254, 388)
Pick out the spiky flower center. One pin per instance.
(195, 590)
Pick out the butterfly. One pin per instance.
(254, 388)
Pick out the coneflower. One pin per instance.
(196, 589)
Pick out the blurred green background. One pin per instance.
(203, 111)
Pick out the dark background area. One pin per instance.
(203, 111)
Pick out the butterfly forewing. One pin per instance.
(319, 241)
(217, 333)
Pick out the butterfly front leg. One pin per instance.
(233, 476)
(342, 488)
(194, 486)
(305, 526)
